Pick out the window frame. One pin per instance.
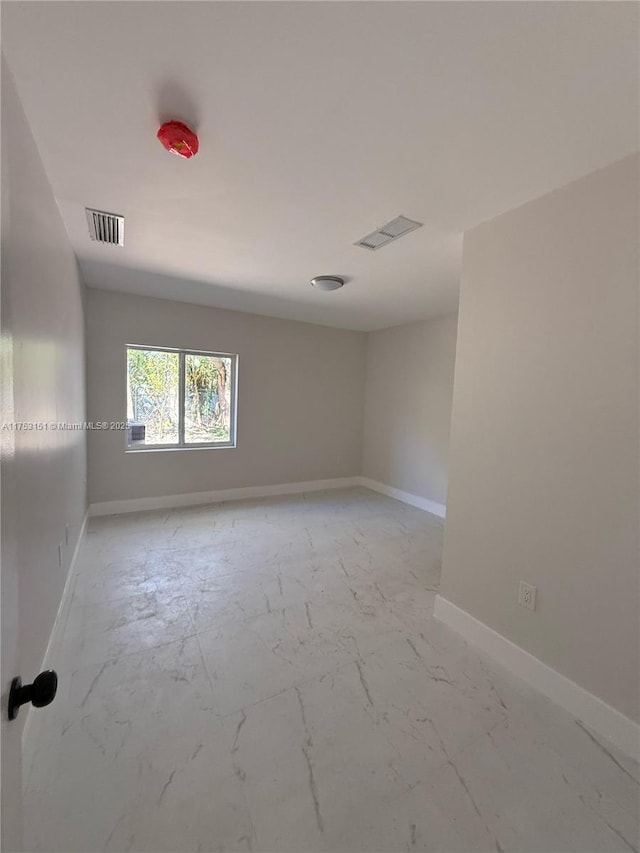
(181, 443)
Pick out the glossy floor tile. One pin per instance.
(267, 675)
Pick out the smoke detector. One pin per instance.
(327, 282)
(179, 139)
(398, 227)
(105, 227)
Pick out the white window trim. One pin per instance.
(192, 445)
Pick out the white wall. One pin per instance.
(43, 326)
(408, 406)
(544, 441)
(300, 398)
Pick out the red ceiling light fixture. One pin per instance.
(178, 138)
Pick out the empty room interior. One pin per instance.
(320, 427)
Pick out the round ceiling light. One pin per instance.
(327, 282)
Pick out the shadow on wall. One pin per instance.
(150, 282)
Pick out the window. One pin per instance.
(180, 398)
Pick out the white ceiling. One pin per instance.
(318, 122)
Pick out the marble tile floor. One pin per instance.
(267, 675)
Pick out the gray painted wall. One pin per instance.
(408, 406)
(544, 441)
(300, 398)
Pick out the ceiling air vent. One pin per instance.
(398, 227)
(105, 227)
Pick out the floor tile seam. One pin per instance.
(207, 675)
(297, 684)
(301, 682)
(91, 634)
(393, 801)
(142, 650)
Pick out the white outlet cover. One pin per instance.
(527, 595)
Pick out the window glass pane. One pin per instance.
(152, 397)
(207, 399)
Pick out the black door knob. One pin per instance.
(42, 692)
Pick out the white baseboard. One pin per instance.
(219, 495)
(196, 498)
(406, 497)
(34, 716)
(592, 711)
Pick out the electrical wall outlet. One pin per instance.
(527, 595)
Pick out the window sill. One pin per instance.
(180, 449)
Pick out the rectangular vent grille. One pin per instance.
(105, 227)
(398, 227)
